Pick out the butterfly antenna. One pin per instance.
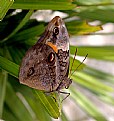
(73, 60)
(79, 65)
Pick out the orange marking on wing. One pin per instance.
(52, 46)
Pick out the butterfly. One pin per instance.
(45, 65)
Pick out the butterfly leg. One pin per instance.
(66, 93)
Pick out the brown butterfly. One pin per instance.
(45, 65)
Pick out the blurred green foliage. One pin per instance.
(18, 32)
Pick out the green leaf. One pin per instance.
(18, 54)
(22, 23)
(38, 111)
(49, 103)
(97, 52)
(8, 115)
(9, 66)
(98, 14)
(86, 105)
(76, 65)
(63, 117)
(94, 2)
(108, 99)
(4, 7)
(28, 34)
(44, 4)
(102, 13)
(3, 81)
(92, 83)
(14, 103)
(81, 28)
(102, 76)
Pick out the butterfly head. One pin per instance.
(57, 33)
